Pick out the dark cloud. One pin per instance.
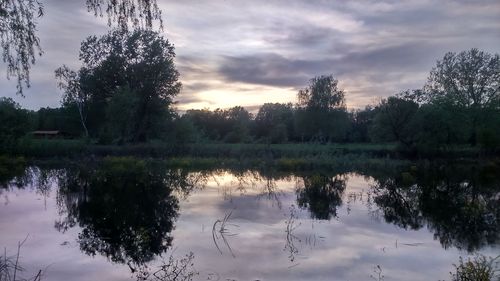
(276, 70)
(241, 47)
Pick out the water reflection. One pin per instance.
(460, 204)
(125, 208)
(321, 195)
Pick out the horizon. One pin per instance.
(231, 54)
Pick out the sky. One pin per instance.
(253, 52)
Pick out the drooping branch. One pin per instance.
(19, 43)
(138, 13)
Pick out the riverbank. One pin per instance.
(77, 149)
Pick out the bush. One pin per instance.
(479, 268)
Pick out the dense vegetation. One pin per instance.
(123, 94)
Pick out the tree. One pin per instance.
(69, 82)
(361, 122)
(274, 122)
(321, 113)
(469, 80)
(18, 25)
(141, 61)
(392, 121)
(322, 94)
(14, 122)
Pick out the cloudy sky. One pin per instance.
(251, 52)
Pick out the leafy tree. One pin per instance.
(65, 118)
(141, 61)
(238, 120)
(69, 82)
(322, 94)
(321, 113)
(361, 122)
(229, 125)
(14, 122)
(274, 122)
(470, 80)
(392, 121)
(120, 115)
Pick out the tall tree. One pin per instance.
(141, 61)
(69, 82)
(468, 80)
(322, 93)
(321, 114)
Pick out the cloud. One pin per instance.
(249, 53)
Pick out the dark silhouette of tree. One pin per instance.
(69, 82)
(321, 195)
(392, 121)
(229, 125)
(274, 122)
(138, 64)
(321, 114)
(14, 123)
(322, 94)
(467, 80)
(360, 123)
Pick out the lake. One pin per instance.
(126, 219)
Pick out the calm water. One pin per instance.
(124, 219)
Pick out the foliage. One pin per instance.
(322, 94)
(138, 13)
(479, 268)
(468, 79)
(392, 122)
(19, 43)
(321, 114)
(123, 71)
(14, 123)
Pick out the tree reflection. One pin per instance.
(322, 195)
(459, 204)
(125, 207)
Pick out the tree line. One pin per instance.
(124, 93)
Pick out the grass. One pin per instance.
(287, 156)
(42, 148)
(479, 268)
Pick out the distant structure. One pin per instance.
(50, 135)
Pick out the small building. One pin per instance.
(50, 135)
